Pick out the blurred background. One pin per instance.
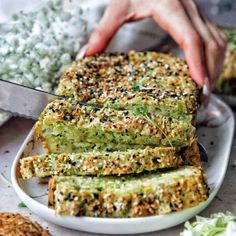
(219, 11)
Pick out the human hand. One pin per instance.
(203, 44)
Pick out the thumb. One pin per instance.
(112, 20)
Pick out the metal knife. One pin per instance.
(24, 101)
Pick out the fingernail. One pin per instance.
(206, 90)
(82, 52)
(207, 83)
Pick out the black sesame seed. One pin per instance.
(69, 197)
(122, 89)
(139, 164)
(89, 65)
(106, 117)
(156, 160)
(96, 109)
(173, 95)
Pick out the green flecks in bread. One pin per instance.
(64, 122)
(108, 163)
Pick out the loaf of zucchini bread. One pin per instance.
(129, 196)
(125, 80)
(108, 163)
(123, 143)
(64, 126)
(227, 81)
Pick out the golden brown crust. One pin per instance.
(14, 224)
(191, 154)
(18, 172)
(51, 186)
(109, 163)
(123, 80)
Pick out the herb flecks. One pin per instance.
(140, 110)
(139, 87)
(21, 205)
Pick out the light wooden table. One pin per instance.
(14, 132)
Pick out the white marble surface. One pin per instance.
(12, 135)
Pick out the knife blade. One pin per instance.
(23, 101)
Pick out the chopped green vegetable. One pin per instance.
(140, 110)
(21, 205)
(218, 224)
(180, 108)
(137, 87)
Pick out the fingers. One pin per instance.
(113, 18)
(217, 55)
(203, 44)
(213, 40)
(218, 35)
(171, 16)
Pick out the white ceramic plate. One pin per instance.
(229, 99)
(215, 133)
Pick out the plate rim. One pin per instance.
(118, 221)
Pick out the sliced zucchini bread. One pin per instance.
(129, 196)
(108, 163)
(64, 126)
